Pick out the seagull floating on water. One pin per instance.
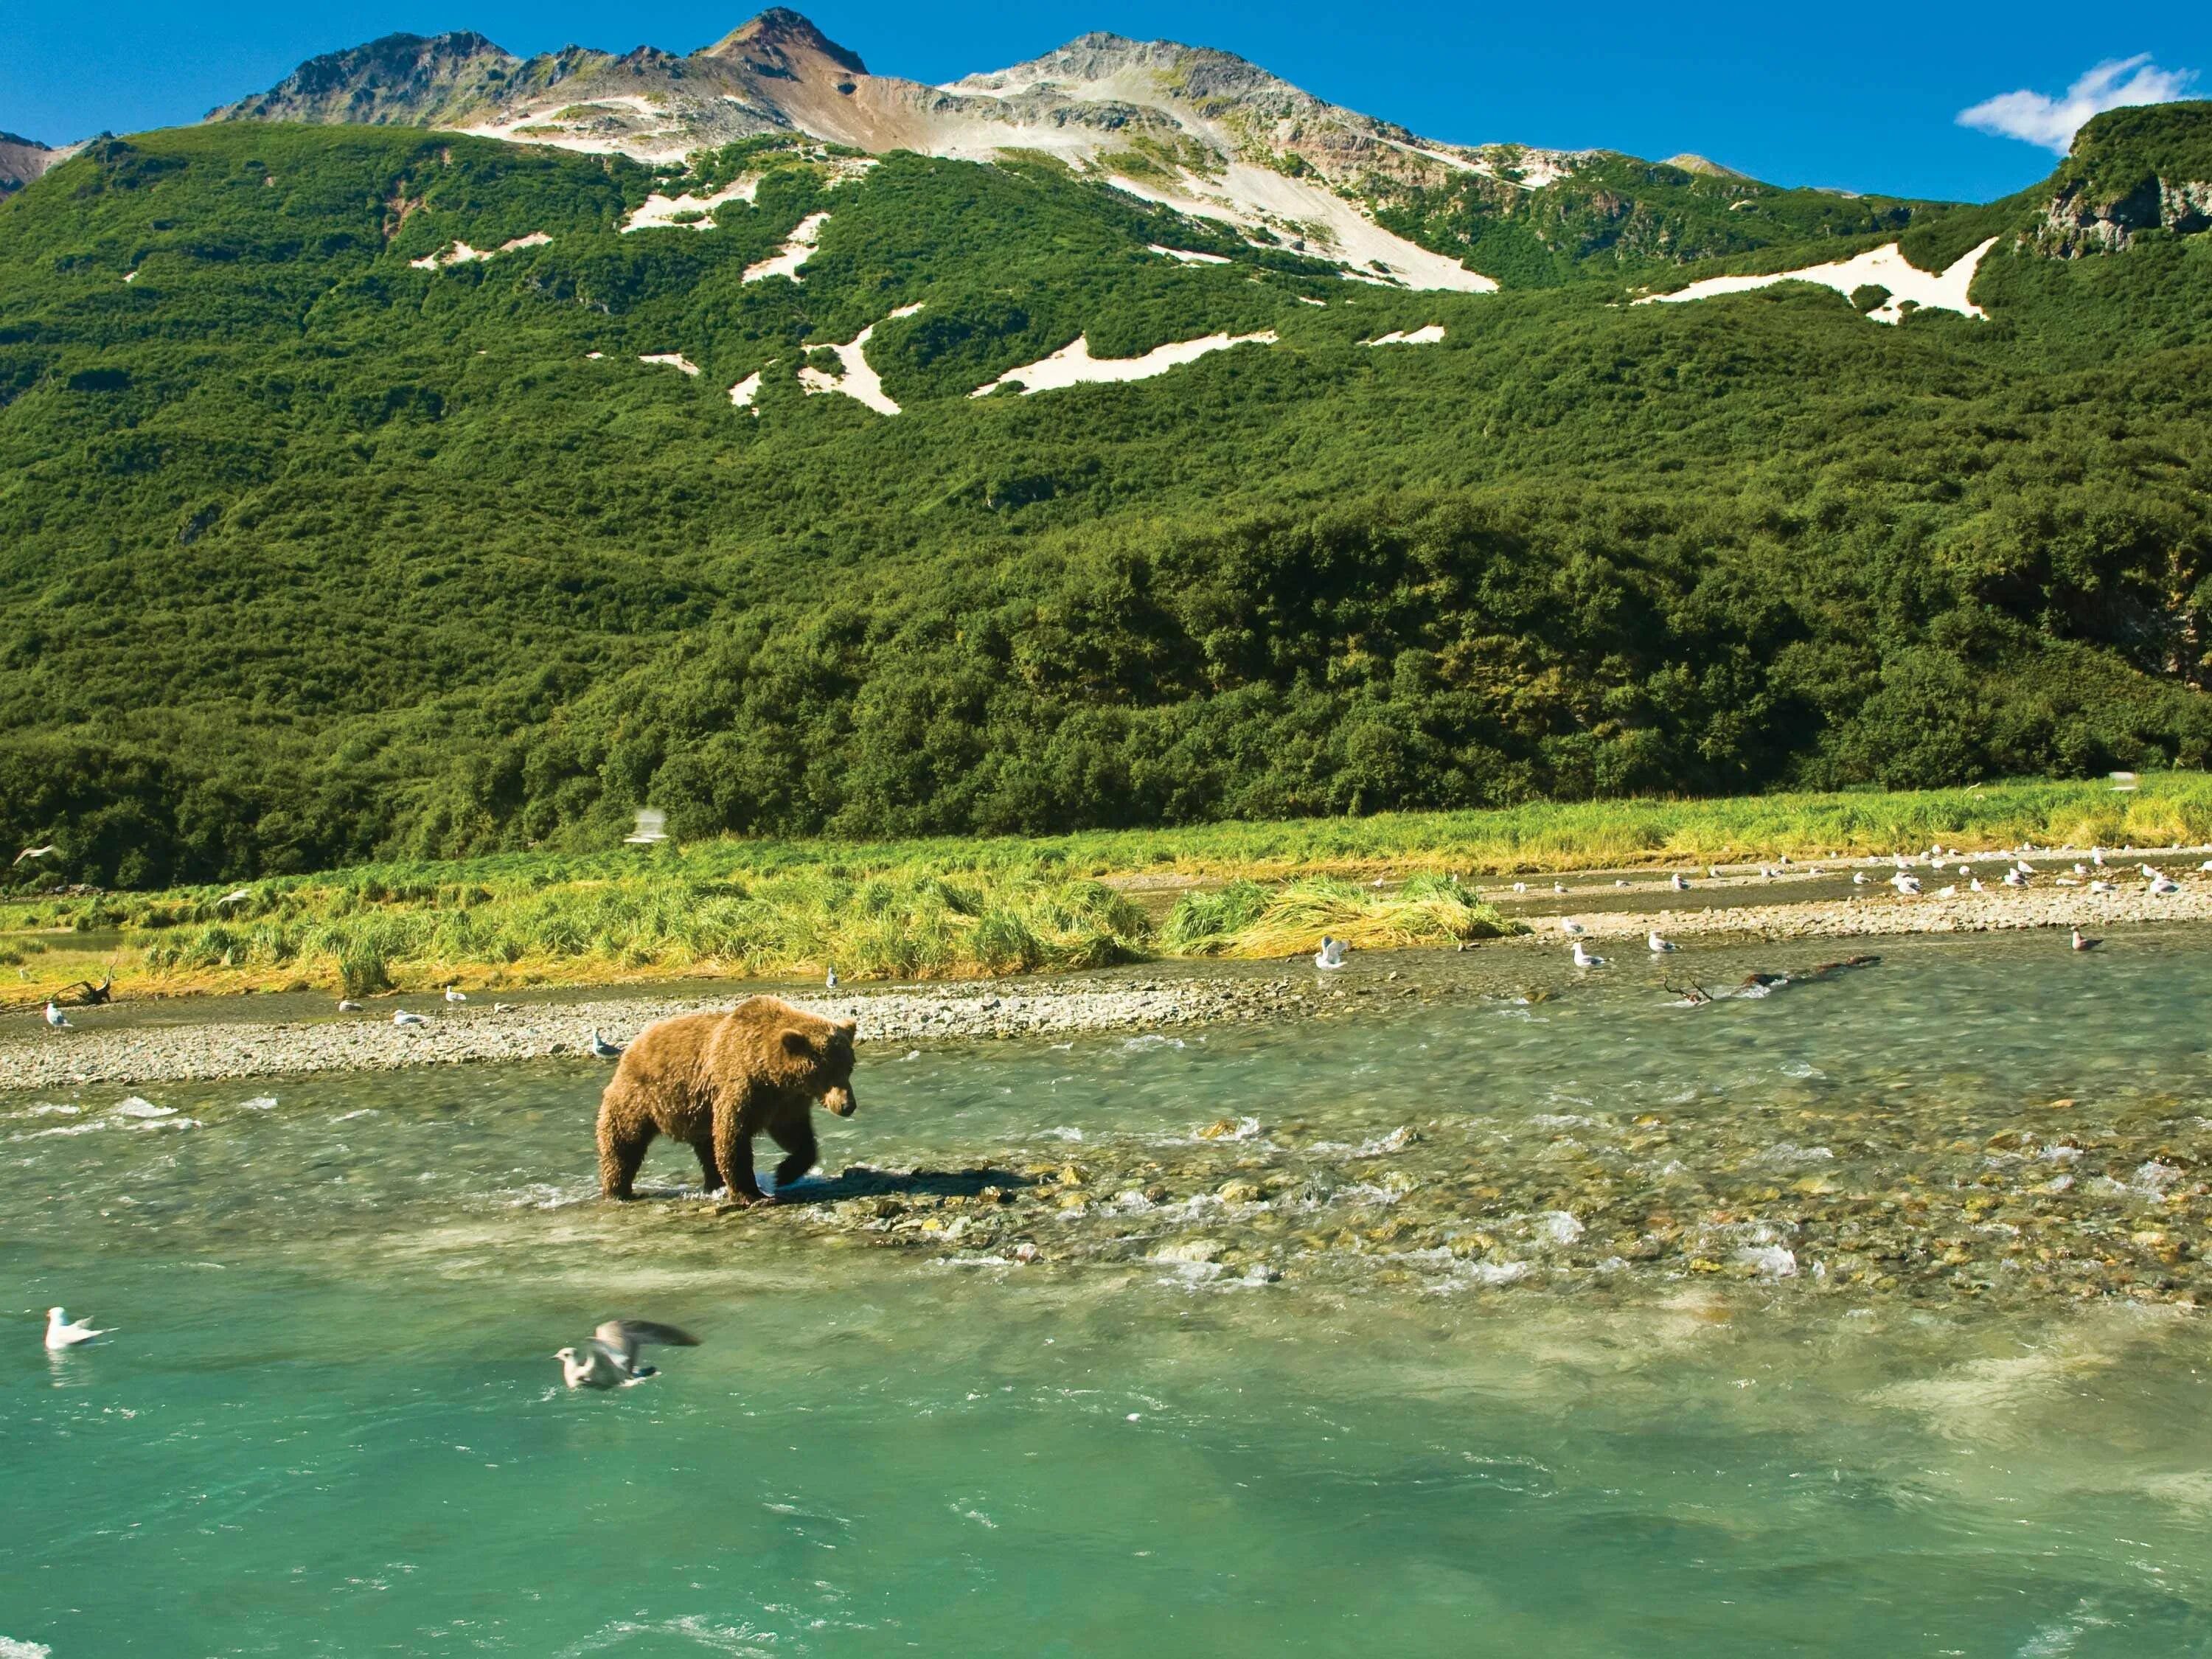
(1656, 944)
(2082, 943)
(56, 1019)
(609, 1360)
(61, 1333)
(1858, 878)
(1584, 959)
(454, 994)
(347, 1005)
(603, 1049)
(401, 1016)
(1331, 954)
(1905, 884)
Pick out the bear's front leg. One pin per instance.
(734, 1151)
(796, 1137)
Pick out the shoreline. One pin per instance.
(1192, 992)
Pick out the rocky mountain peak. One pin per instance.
(780, 42)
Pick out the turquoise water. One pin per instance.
(328, 1422)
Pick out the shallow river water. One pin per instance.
(1860, 1317)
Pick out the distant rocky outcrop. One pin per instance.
(2130, 171)
(22, 159)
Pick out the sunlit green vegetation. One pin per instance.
(311, 559)
(961, 907)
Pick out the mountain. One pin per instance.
(22, 159)
(1203, 132)
(378, 487)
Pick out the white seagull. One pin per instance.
(401, 1016)
(46, 851)
(454, 994)
(1676, 882)
(61, 1333)
(609, 1360)
(55, 1018)
(2162, 886)
(1584, 959)
(1974, 885)
(2015, 878)
(2097, 856)
(1657, 945)
(830, 982)
(348, 1006)
(603, 1049)
(1905, 884)
(1858, 878)
(1568, 925)
(2082, 943)
(1331, 954)
(2104, 887)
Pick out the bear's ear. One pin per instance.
(795, 1042)
(846, 1027)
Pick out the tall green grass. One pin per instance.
(921, 909)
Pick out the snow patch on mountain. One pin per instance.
(1073, 365)
(1883, 267)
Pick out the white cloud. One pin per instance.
(2053, 122)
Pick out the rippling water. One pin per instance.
(1426, 1386)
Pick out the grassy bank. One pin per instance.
(946, 908)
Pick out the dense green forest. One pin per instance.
(309, 555)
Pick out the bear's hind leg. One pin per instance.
(796, 1137)
(621, 1150)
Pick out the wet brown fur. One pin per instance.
(715, 1081)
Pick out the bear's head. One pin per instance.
(824, 1055)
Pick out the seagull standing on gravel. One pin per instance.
(1331, 954)
(603, 1049)
(2163, 884)
(830, 982)
(401, 1016)
(1570, 925)
(1905, 884)
(2104, 887)
(2015, 878)
(1657, 945)
(1676, 882)
(609, 1360)
(2097, 856)
(61, 1333)
(1584, 959)
(56, 1019)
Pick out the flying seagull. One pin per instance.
(603, 1049)
(1331, 954)
(55, 1018)
(37, 852)
(609, 1360)
(62, 1333)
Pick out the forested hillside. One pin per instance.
(322, 538)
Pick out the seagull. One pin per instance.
(2015, 878)
(454, 994)
(2080, 868)
(1948, 892)
(2097, 856)
(2104, 887)
(347, 1005)
(1331, 954)
(1714, 871)
(832, 981)
(2023, 866)
(1657, 945)
(1676, 882)
(401, 1016)
(2149, 872)
(506, 1007)
(1975, 886)
(1559, 887)
(603, 1049)
(1568, 924)
(2207, 864)
(2162, 886)
(36, 853)
(609, 1360)
(61, 1333)
(1905, 884)
(1379, 883)
(1858, 878)
(2082, 943)
(1520, 886)
(54, 1018)
(236, 896)
(1584, 959)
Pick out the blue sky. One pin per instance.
(1865, 97)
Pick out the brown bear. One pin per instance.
(715, 1081)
